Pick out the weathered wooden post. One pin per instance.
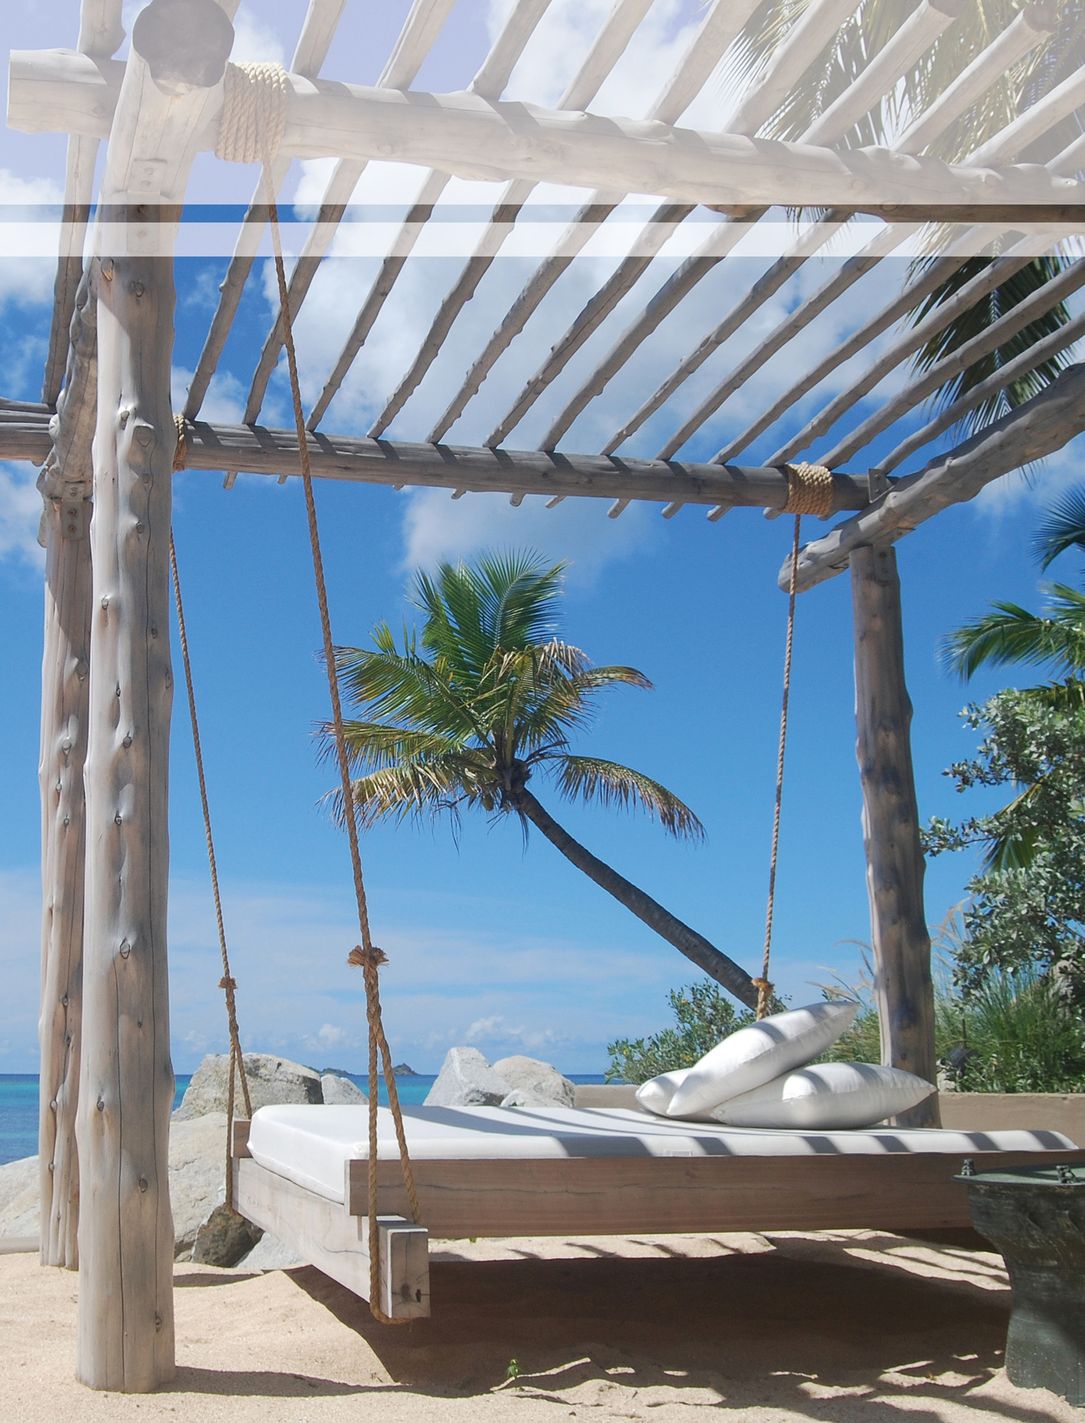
(883, 711)
(171, 84)
(65, 485)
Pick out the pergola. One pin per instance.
(104, 434)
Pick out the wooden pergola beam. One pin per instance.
(469, 137)
(257, 450)
(1036, 429)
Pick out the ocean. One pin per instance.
(19, 1104)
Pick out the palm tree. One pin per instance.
(856, 42)
(483, 699)
(1011, 635)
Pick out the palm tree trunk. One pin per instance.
(686, 940)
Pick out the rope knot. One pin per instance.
(230, 984)
(809, 490)
(371, 958)
(765, 990)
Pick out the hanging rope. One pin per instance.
(227, 982)
(252, 126)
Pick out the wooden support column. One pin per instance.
(65, 484)
(126, 1245)
(65, 667)
(883, 712)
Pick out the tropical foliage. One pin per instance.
(702, 1017)
(481, 701)
(858, 40)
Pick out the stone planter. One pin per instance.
(1036, 1217)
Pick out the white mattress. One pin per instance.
(311, 1145)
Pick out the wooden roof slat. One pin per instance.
(1070, 280)
(718, 30)
(1017, 40)
(489, 83)
(317, 32)
(796, 52)
(1038, 428)
(416, 39)
(610, 44)
(101, 33)
(1002, 378)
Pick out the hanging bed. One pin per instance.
(301, 1174)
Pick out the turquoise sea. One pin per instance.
(19, 1104)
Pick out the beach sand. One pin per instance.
(834, 1328)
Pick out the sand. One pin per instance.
(833, 1328)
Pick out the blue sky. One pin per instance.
(490, 943)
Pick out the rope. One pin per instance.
(366, 955)
(227, 982)
(253, 112)
(763, 984)
(809, 490)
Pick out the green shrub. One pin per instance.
(703, 1017)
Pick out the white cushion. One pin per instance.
(655, 1094)
(758, 1053)
(827, 1096)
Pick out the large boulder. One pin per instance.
(466, 1079)
(19, 1196)
(539, 1084)
(341, 1091)
(272, 1254)
(271, 1080)
(225, 1238)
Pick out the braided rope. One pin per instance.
(367, 955)
(763, 984)
(227, 983)
(253, 115)
(809, 490)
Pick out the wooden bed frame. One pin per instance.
(906, 1192)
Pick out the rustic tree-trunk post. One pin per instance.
(171, 88)
(65, 667)
(902, 950)
(65, 483)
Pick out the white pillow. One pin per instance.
(826, 1096)
(655, 1094)
(758, 1053)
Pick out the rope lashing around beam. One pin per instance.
(253, 112)
(809, 490)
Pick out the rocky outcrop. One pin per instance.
(466, 1079)
(340, 1091)
(271, 1080)
(225, 1238)
(19, 1208)
(539, 1083)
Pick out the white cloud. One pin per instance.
(20, 514)
(27, 280)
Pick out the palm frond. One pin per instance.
(410, 790)
(1063, 528)
(607, 783)
(1011, 634)
(373, 744)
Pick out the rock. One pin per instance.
(271, 1080)
(197, 1175)
(271, 1254)
(19, 1213)
(225, 1238)
(197, 1182)
(519, 1098)
(340, 1091)
(466, 1079)
(543, 1084)
(402, 1070)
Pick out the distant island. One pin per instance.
(401, 1069)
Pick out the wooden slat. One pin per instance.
(898, 55)
(416, 39)
(1070, 280)
(608, 48)
(1001, 379)
(1034, 430)
(1023, 35)
(318, 30)
(489, 82)
(324, 1234)
(634, 1195)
